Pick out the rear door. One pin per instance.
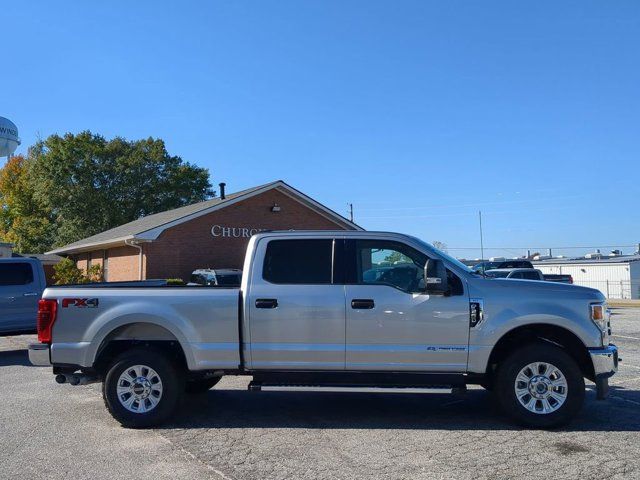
(391, 323)
(296, 309)
(19, 295)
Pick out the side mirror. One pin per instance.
(435, 277)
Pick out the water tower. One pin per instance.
(9, 139)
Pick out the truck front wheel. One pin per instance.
(540, 386)
(142, 388)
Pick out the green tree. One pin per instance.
(89, 184)
(24, 221)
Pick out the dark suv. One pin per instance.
(501, 264)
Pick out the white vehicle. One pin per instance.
(516, 273)
(333, 310)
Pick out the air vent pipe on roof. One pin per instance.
(222, 185)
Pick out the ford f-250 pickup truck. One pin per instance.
(334, 310)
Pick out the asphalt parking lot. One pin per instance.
(58, 431)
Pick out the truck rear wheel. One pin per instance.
(540, 386)
(142, 388)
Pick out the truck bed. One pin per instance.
(204, 320)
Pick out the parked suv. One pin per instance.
(220, 277)
(22, 282)
(516, 273)
(500, 264)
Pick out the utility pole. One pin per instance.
(481, 239)
(351, 212)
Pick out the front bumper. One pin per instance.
(605, 364)
(39, 354)
(605, 360)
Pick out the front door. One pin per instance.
(296, 310)
(391, 323)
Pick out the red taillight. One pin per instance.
(46, 316)
(570, 279)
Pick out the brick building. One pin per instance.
(209, 234)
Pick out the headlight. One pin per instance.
(600, 316)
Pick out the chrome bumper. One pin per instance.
(605, 360)
(39, 354)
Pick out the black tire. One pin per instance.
(201, 385)
(172, 383)
(539, 352)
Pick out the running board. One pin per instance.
(256, 386)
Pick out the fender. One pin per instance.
(129, 313)
(497, 324)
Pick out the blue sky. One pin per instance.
(419, 113)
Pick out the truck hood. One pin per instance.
(524, 288)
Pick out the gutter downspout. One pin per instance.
(133, 244)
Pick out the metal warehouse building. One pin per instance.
(615, 276)
(209, 234)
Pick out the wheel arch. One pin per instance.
(118, 338)
(541, 332)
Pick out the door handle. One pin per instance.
(30, 294)
(362, 304)
(266, 303)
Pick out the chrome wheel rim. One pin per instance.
(139, 389)
(541, 388)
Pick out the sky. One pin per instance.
(419, 113)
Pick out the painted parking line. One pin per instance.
(625, 336)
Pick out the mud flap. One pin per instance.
(602, 387)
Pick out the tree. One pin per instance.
(79, 185)
(440, 245)
(24, 221)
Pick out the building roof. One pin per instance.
(148, 228)
(582, 260)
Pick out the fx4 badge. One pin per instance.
(80, 302)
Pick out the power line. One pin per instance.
(544, 248)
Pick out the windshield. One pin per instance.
(448, 257)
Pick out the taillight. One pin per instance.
(570, 279)
(46, 316)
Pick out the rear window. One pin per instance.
(298, 262)
(15, 274)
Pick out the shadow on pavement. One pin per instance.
(472, 411)
(14, 357)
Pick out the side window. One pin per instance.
(516, 275)
(381, 262)
(298, 262)
(530, 275)
(15, 274)
(389, 263)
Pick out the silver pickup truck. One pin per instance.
(334, 311)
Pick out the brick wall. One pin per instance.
(122, 264)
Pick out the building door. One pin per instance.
(391, 323)
(296, 311)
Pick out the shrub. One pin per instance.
(67, 273)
